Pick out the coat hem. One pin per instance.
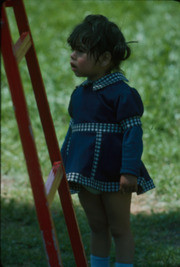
(77, 181)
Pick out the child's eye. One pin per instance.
(81, 49)
(80, 52)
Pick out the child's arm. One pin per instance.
(130, 106)
(132, 148)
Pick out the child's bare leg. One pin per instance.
(100, 232)
(117, 207)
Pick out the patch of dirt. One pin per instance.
(147, 203)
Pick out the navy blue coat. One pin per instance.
(104, 139)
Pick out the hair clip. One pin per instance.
(132, 42)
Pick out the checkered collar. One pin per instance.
(105, 81)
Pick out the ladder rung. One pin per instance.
(53, 181)
(22, 46)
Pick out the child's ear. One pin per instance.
(105, 59)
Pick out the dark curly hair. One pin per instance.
(96, 35)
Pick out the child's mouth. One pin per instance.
(73, 66)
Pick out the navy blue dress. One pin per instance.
(104, 139)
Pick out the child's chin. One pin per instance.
(79, 74)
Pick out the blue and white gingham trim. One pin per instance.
(69, 139)
(130, 122)
(68, 145)
(144, 185)
(97, 127)
(105, 81)
(106, 127)
(71, 122)
(77, 181)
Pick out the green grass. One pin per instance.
(156, 235)
(153, 69)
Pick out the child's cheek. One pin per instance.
(81, 62)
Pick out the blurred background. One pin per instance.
(154, 70)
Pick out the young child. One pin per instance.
(103, 146)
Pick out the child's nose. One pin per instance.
(73, 55)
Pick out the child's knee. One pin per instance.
(98, 227)
(118, 232)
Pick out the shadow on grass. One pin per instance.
(156, 237)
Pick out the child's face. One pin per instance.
(84, 65)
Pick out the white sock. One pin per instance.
(117, 264)
(99, 261)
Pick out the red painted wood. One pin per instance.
(49, 131)
(25, 130)
(9, 3)
(73, 228)
(38, 85)
(42, 208)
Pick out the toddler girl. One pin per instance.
(103, 146)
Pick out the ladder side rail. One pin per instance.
(54, 178)
(28, 144)
(51, 139)
(38, 85)
(73, 228)
(53, 147)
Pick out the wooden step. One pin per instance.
(22, 46)
(53, 181)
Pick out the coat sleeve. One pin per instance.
(129, 110)
(132, 148)
(129, 104)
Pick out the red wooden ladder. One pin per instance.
(43, 194)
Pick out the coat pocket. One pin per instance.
(110, 157)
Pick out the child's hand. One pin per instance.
(128, 183)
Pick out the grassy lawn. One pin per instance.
(153, 70)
